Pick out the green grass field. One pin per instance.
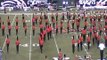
(50, 48)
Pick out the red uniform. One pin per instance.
(9, 27)
(17, 20)
(17, 42)
(25, 27)
(41, 42)
(3, 26)
(73, 42)
(16, 27)
(7, 41)
(33, 27)
(83, 31)
(60, 55)
(23, 20)
(41, 26)
(33, 20)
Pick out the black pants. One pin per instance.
(78, 46)
(90, 34)
(16, 23)
(3, 33)
(25, 32)
(98, 42)
(61, 30)
(33, 23)
(77, 28)
(88, 45)
(101, 54)
(9, 30)
(16, 31)
(56, 31)
(33, 32)
(85, 27)
(17, 48)
(41, 48)
(56, 18)
(81, 45)
(73, 48)
(72, 25)
(41, 30)
(46, 24)
(100, 32)
(24, 24)
(8, 23)
(67, 29)
(93, 40)
(84, 37)
(0, 25)
(7, 48)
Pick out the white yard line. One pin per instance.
(55, 39)
(4, 44)
(30, 47)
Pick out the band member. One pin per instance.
(60, 55)
(81, 41)
(3, 29)
(50, 31)
(73, 21)
(85, 24)
(41, 27)
(78, 24)
(17, 20)
(41, 43)
(78, 46)
(8, 21)
(44, 33)
(9, 29)
(36, 19)
(47, 29)
(46, 22)
(33, 29)
(88, 41)
(56, 28)
(25, 29)
(17, 44)
(56, 16)
(84, 34)
(53, 22)
(33, 20)
(63, 17)
(7, 43)
(68, 26)
(0, 22)
(16, 27)
(23, 20)
(73, 45)
(61, 27)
